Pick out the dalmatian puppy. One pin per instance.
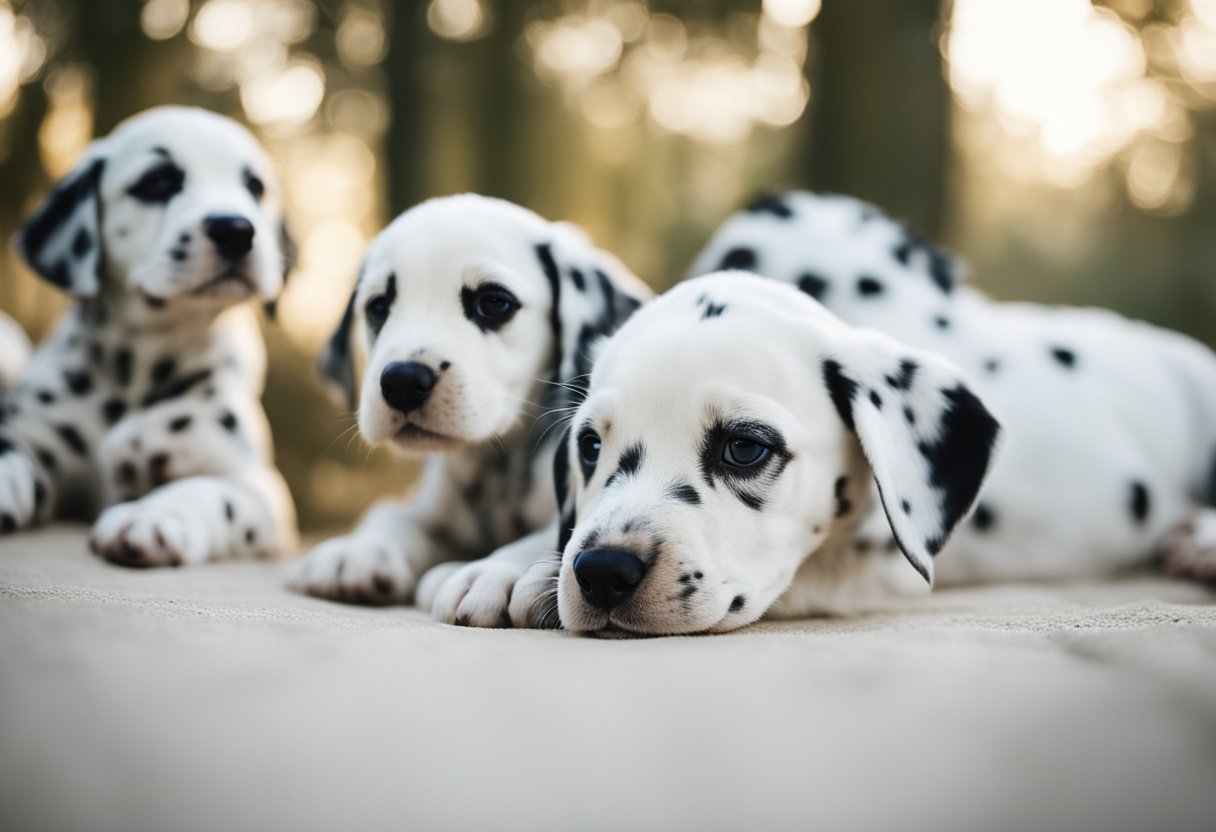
(474, 320)
(144, 402)
(717, 468)
(1111, 422)
(14, 351)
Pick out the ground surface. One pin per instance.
(210, 698)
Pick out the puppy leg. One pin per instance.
(196, 519)
(513, 586)
(19, 489)
(1190, 551)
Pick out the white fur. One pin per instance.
(144, 403)
(14, 350)
(487, 429)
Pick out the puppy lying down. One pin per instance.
(144, 402)
(742, 451)
(474, 320)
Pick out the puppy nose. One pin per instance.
(406, 384)
(608, 576)
(233, 236)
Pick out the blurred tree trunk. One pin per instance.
(879, 114)
(404, 70)
(129, 70)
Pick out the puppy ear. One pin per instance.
(928, 439)
(289, 253)
(593, 294)
(561, 485)
(62, 241)
(336, 364)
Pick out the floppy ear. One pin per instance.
(289, 252)
(561, 485)
(62, 241)
(593, 294)
(336, 364)
(927, 437)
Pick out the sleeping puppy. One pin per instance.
(718, 467)
(144, 403)
(1112, 423)
(476, 319)
(14, 351)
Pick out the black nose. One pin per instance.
(406, 384)
(608, 576)
(233, 236)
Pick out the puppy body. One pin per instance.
(476, 320)
(1111, 423)
(144, 403)
(14, 351)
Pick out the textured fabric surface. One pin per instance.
(211, 698)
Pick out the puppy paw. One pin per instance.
(490, 593)
(20, 493)
(144, 533)
(1190, 552)
(354, 570)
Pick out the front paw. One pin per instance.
(21, 494)
(354, 570)
(144, 533)
(489, 593)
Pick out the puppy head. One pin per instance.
(837, 249)
(706, 462)
(470, 314)
(177, 204)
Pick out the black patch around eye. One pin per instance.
(1065, 357)
(685, 493)
(813, 285)
(869, 286)
(842, 389)
(159, 185)
(255, 185)
(769, 204)
(984, 518)
(742, 481)
(743, 259)
(490, 305)
(377, 309)
(1141, 502)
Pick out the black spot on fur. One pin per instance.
(158, 469)
(813, 285)
(544, 253)
(941, 322)
(229, 511)
(876, 399)
(177, 254)
(906, 506)
(72, 438)
(941, 268)
(250, 536)
(335, 364)
(57, 210)
(176, 387)
(97, 353)
(46, 459)
(46, 397)
(163, 370)
(842, 389)
(902, 378)
(958, 458)
(180, 424)
(113, 410)
(6, 445)
(153, 302)
(82, 244)
(578, 279)
(81, 384)
(228, 421)
(869, 286)
(992, 365)
(1141, 502)
(737, 603)
(1065, 357)
(743, 259)
(712, 310)
(843, 506)
(123, 361)
(769, 204)
(631, 460)
(40, 495)
(685, 493)
(909, 416)
(984, 518)
(8, 525)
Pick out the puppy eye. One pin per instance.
(589, 448)
(158, 185)
(255, 186)
(377, 311)
(496, 304)
(742, 452)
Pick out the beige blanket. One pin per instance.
(212, 699)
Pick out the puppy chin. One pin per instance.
(379, 424)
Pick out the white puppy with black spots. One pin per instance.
(144, 404)
(474, 321)
(718, 467)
